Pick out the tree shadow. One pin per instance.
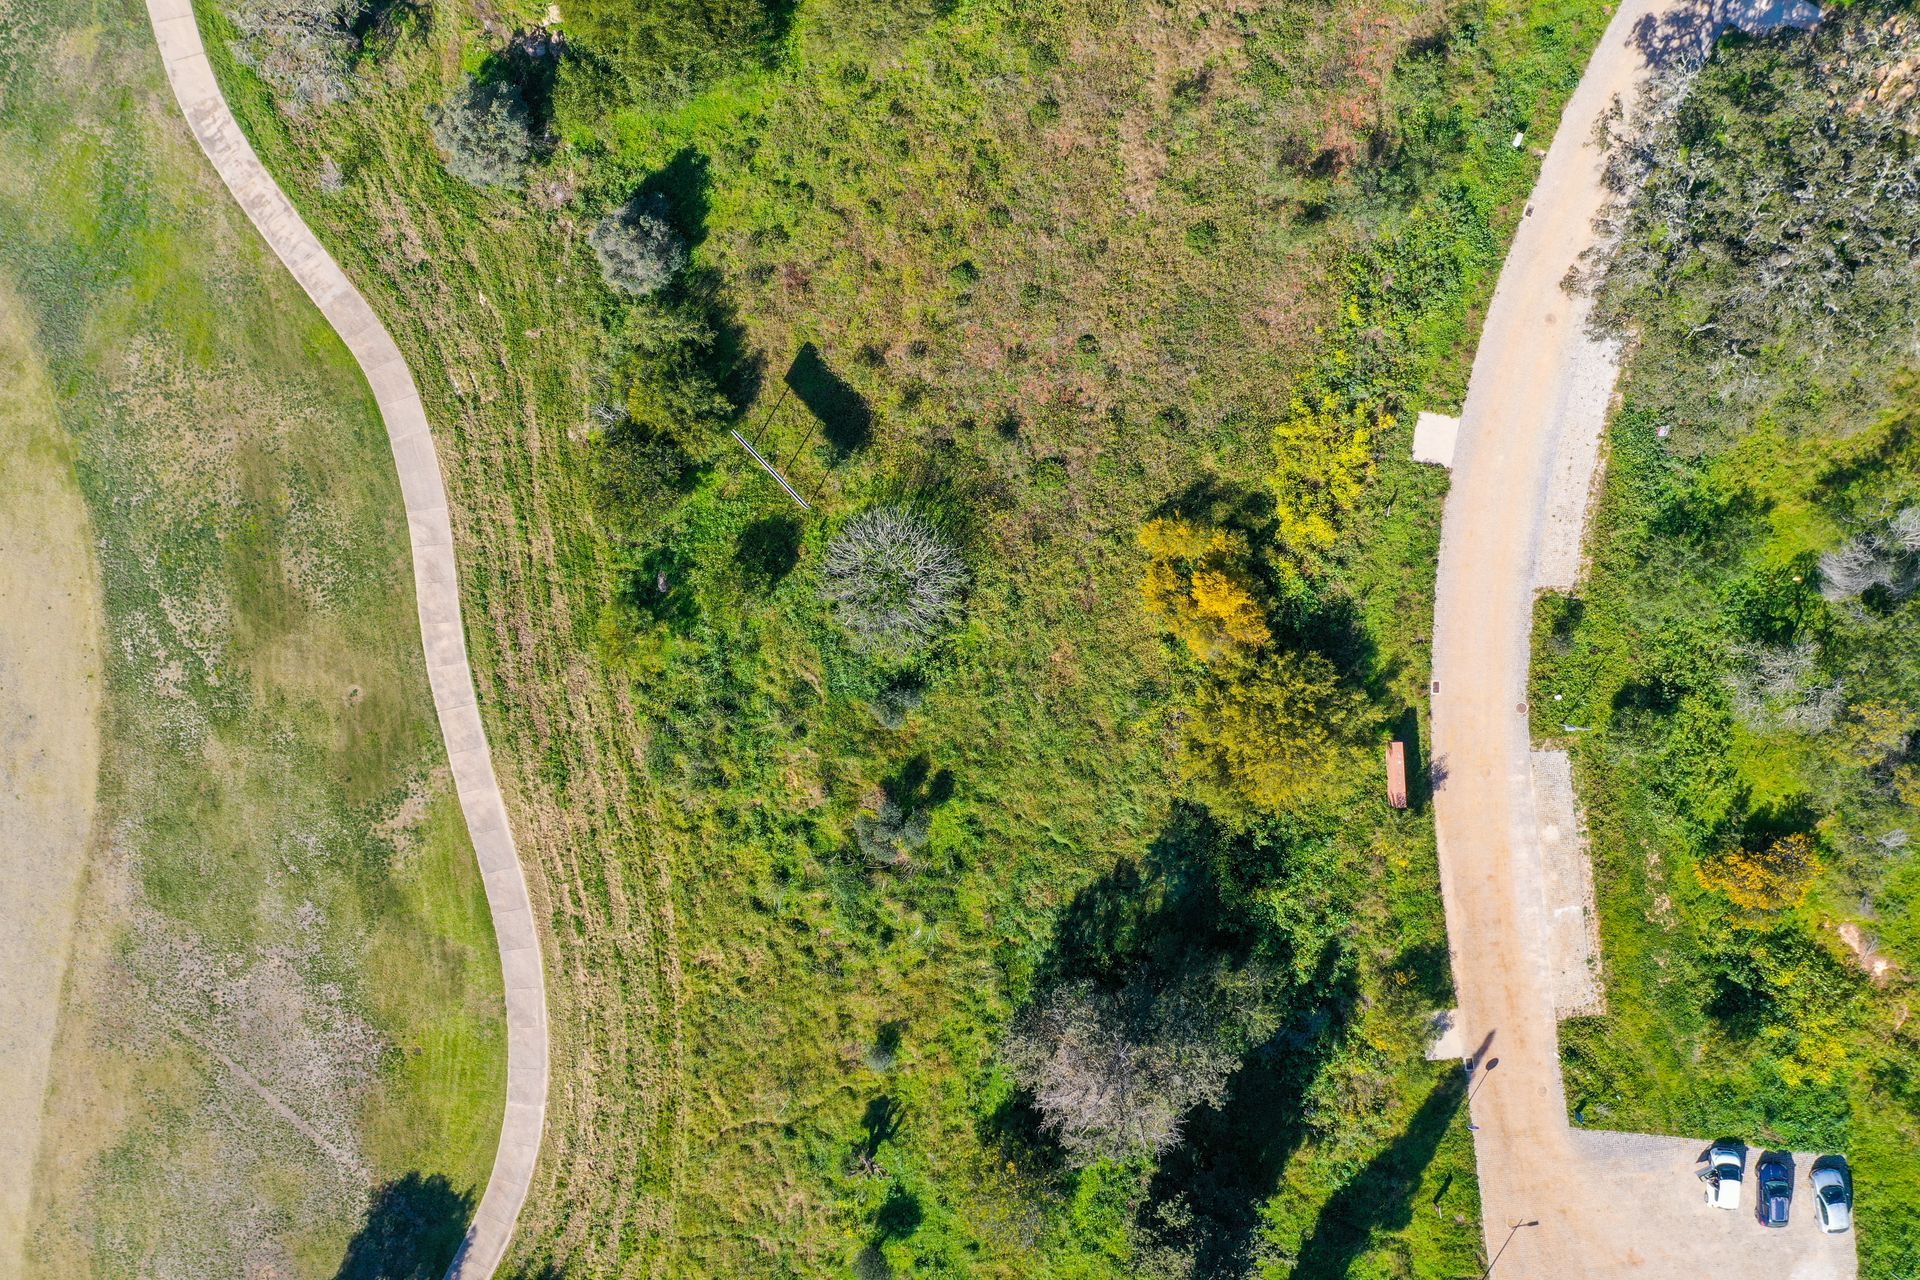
(899, 1215)
(1203, 1202)
(413, 1226)
(682, 189)
(843, 412)
(882, 1125)
(1380, 1196)
(768, 549)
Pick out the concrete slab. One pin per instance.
(1434, 435)
(1573, 924)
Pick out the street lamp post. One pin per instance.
(1513, 1229)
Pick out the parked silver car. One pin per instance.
(1832, 1198)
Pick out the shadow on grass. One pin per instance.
(842, 411)
(413, 1225)
(1380, 1197)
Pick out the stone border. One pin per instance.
(437, 590)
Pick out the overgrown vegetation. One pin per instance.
(1743, 654)
(282, 1021)
(1043, 276)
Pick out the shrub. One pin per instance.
(1767, 879)
(670, 371)
(639, 251)
(1201, 580)
(659, 52)
(303, 48)
(890, 580)
(1323, 458)
(484, 134)
(1268, 736)
(891, 834)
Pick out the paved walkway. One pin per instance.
(436, 585)
(1556, 1202)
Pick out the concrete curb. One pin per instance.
(436, 588)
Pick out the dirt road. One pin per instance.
(1556, 1202)
(436, 587)
(49, 744)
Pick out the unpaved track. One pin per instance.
(436, 587)
(1605, 1205)
(49, 745)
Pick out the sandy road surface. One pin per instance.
(49, 745)
(1604, 1204)
(436, 587)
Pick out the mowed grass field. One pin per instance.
(1060, 264)
(280, 1047)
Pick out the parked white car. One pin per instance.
(1726, 1166)
(1832, 1199)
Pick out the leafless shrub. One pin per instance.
(1857, 565)
(1903, 531)
(890, 580)
(1778, 690)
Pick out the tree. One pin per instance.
(1272, 734)
(1323, 458)
(890, 580)
(1201, 580)
(1769, 879)
(1114, 1073)
(484, 134)
(639, 251)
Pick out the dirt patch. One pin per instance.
(49, 741)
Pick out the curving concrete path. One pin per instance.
(1556, 1201)
(436, 586)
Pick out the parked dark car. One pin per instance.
(1775, 1176)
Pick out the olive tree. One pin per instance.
(639, 251)
(484, 133)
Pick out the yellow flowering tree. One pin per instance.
(1200, 579)
(1273, 733)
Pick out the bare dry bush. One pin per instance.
(891, 580)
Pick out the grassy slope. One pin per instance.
(283, 880)
(991, 225)
(1727, 478)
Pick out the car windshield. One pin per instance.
(1833, 1193)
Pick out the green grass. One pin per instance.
(1069, 277)
(283, 882)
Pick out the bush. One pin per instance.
(671, 387)
(639, 251)
(658, 52)
(1769, 879)
(484, 134)
(1323, 458)
(891, 581)
(1268, 736)
(303, 48)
